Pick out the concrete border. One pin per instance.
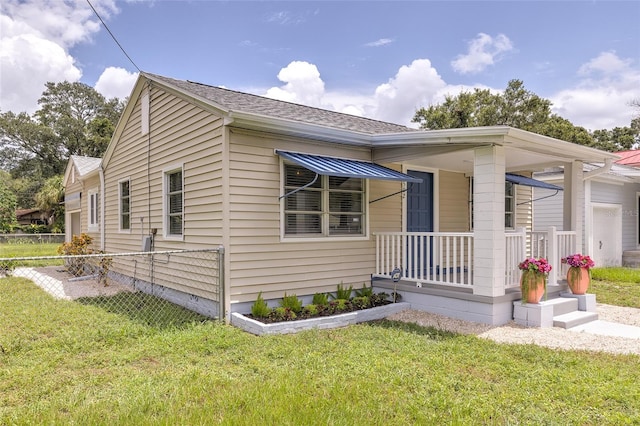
(287, 327)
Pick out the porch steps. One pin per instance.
(573, 319)
(566, 311)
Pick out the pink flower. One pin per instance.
(578, 261)
(536, 265)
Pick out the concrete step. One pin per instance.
(573, 319)
(563, 305)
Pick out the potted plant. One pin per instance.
(579, 273)
(533, 282)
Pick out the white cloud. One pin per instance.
(600, 100)
(483, 51)
(396, 101)
(36, 38)
(412, 87)
(380, 42)
(116, 83)
(303, 84)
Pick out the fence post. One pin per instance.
(221, 293)
(552, 255)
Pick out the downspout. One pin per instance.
(102, 209)
(604, 169)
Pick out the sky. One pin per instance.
(377, 59)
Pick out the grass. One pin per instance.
(28, 250)
(67, 363)
(616, 286)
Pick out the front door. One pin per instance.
(419, 219)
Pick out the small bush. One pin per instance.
(311, 309)
(320, 299)
(292, 302)
(364, 291)
(361, 302)
(343, 293)
(282, 314)
(260, 309)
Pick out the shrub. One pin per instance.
(292, 302)
(320, 299)
(78, 245)
(260, 309)
(364, 291)
(282, 314)
(311, 309)
(343, 293)
(361, 302)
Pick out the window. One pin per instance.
(125, 205)
(92, 209)
(173, 208)
(509, 205)
(331, 206)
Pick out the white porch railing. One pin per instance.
(430, 257)
(446, 258)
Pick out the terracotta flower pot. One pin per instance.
(578, 280)
(532, 286)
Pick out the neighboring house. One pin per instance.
(303, 199)
(82, 185)
(611, 227)
(30, 217)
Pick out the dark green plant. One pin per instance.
(364, 291)
(6, 268)
(339, 305)
(291, 302)
(311, 309)
(260, 309)
(361, 302)
(343, 293)
(282, 314)
(320, 299)
(378, 299)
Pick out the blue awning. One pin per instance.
(526, 181)
(343, 167)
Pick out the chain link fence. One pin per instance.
(157, 288)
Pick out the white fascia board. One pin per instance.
(295, 128)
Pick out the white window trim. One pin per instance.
(165, 210)
(514, 211)
(93, 210)
(322, 237)
(120, 228)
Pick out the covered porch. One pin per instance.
(470, 269)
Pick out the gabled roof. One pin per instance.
(85, 165)
(233, 101)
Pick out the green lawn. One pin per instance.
(616, 286)
(66, 363)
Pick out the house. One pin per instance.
(611, 229)
(30, 217)
(82, 177)
(303, 199)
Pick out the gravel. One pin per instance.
(551, 337)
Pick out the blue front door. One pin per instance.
(420, 203)
(419, 219)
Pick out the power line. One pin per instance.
(113, 37)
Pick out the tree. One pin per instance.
(73, 119)
(7, 204)
(515, 107)
(49, 200)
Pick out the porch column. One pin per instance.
(573, 206)
(489, 255)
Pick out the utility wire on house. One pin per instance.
(113, 37)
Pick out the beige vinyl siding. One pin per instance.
(92, 183)
(259, 261)
(454, 202)
(181, 134)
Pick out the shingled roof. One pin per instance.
(231, 100)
